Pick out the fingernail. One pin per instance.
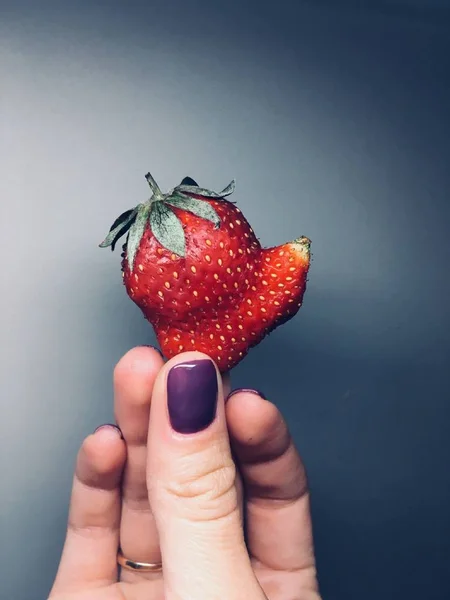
(111, 427)
(154, 348)
(192, 395)
(248, 391)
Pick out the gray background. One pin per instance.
(334, 118)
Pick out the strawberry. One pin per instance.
(195, 268)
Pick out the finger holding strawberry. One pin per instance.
(196, 269)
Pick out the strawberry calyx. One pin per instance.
(157, 213)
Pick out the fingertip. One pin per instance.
(108, 430)
(101, 458)
(246, 391)
(188, 380)
(139, 362)
(134, 377)
(252, 419)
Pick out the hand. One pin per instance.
(166, 493)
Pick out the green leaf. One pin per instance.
(167, 228)
(118, 228)
(192, 189)
(200, 208)
(228, 190)
(189, 181)
(123, 219)
(136, 233)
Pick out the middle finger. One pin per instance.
(134, 377)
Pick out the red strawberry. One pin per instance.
(195, 268)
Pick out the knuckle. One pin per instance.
(90, 531)
(205, 486)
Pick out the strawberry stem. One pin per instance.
(154, 186)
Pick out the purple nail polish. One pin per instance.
(110, 426)
(192, 395)
(247, 390)
(154, 348)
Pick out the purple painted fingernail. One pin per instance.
(154, 348)
(109, 426)
(248, 391)
(192, 395)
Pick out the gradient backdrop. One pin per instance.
(334, 118)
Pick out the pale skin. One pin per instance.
(180, 499)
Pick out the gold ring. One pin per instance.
(126, 563)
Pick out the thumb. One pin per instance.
(191, 479)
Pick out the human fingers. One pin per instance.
(90, 549)
(134, 377)
(278, 521)
(191, 480)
